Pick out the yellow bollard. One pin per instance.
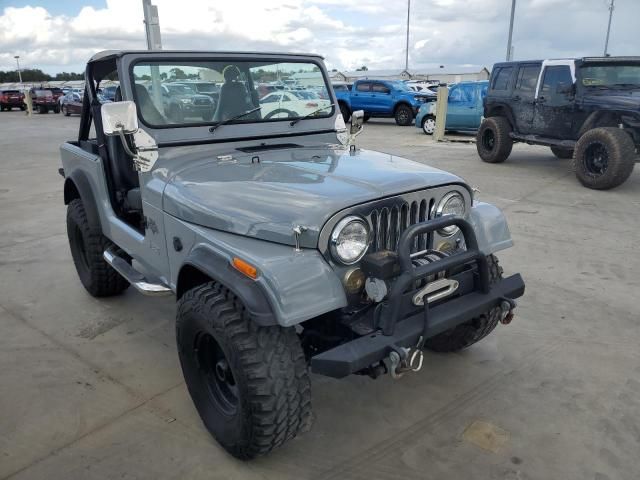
(441, 112)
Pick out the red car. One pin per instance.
(10, 99)
(44, 100)
(71, 103)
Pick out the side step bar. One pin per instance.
(538, 140)
(133, 276)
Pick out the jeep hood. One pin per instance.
(265, 194)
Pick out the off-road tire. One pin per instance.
(65, 111)
(468, 333)
(620, 152)
(562, 153)
(403, 115)
(346, 113)
(87, 245)
(265, 365)
(429, 124)
(493, 141)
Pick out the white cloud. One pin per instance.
(348, 34)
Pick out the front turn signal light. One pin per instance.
(245, 268)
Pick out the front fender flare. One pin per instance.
(490, 226)
(219, 269)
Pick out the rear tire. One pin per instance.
(65, 111)
(403, 115)
(604, 158)
(56, 110)
(366, 118)
(87, 245)
(493, 141)
(468, 333)
(42, 109)
(562, 153)
(249, 383)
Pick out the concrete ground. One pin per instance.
(92, 389)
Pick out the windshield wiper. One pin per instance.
(296, 120)
(232, 119)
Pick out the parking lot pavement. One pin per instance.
(92, 389)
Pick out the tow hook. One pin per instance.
(403, 360)
(506, 306)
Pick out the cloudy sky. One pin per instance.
(60, 35)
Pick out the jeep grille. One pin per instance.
(388, 223)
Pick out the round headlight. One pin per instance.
(349, 240)
(451, 204)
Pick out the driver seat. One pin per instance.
(233, 95)
(125, 176)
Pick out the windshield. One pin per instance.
(610, 75)
(401, 86)
(239, 86)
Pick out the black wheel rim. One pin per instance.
(488, 139)
(596, 159)
(403, 116)
(216, 374)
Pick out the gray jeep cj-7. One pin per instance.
(288, 248)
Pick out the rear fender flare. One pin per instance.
(76, 185)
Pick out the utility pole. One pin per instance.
(513, 11)
(17, 57)
(406, 58)
(606, 41)
(152, 25)
(154, 42)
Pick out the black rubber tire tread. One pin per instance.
(97, 277)
(503, 142)
(622, 157)
(562, 153)
(397, 115)
(468, 333)
(65, 111)
(344, 110)
(267, 363)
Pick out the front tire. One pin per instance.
(493, 141)
(468, 333)
(429, 124)
(249, 383)
(87, 245)
(403, 115)
(604, 158)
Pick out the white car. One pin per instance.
(288, 104)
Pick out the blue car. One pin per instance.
(464, 112)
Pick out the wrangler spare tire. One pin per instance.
(493, 140)
(604, 158)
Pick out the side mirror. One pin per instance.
(565, 89)
(357, 119)
(119, 118)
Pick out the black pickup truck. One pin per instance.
(587, 109)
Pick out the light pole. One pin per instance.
(17, 57)
(513, 11)
(406, 58)
(606, 41)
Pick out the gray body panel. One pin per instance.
(221, 208)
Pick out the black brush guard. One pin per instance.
(396, 331)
